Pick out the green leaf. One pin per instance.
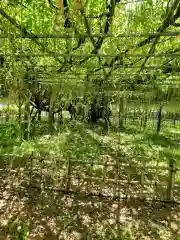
(150, 2)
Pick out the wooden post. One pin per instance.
(31, 169)
(51, 121)
(121, 111)
(52, 95)
(128, 180)
(7, 116)
(134, 116)
(171, 182)
(89, 185)
(19, 108)
(60, 118)
(68, 178)
(143, 174)
(174, 119)
(41, 172)
(154, 195)
(102, 185)
(145, 116)
(39, 115)
(116, 183)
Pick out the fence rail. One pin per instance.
(91, 177)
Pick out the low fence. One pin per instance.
(129, 119)
(169, 119)
(106, 179)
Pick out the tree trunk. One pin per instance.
(51, 110)
(39, 115)
(159, 118)
(145, 119)
(174, 120)
(93, 114)
(51, 121)
(7, 112)
(60, 118)
(34, 117)
(145, 116)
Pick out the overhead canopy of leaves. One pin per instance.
(112, 47)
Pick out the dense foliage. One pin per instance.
(106, 50)
(114, 65)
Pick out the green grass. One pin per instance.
(79, 141)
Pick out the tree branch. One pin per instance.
(109, 16)
(167, 21)
(26, 33)
(52, 5)
(176, 24)
(97, 45)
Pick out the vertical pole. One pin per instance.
(60, 118)
(39, 115)
(121, 111)
(31, 169)
(145, 116)
(102, 185)
(143, 175)
(175, 117)
(27, 121)
(171, 182)
(68, 179)
(19, 108)
(159, 118)
(51, 108)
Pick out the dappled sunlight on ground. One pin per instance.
(37, 178)
(53, 215)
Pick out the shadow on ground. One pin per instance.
(52, 215)
(49, 214)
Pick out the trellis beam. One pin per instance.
(94, 55)
(175, 67)
(61, 35)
